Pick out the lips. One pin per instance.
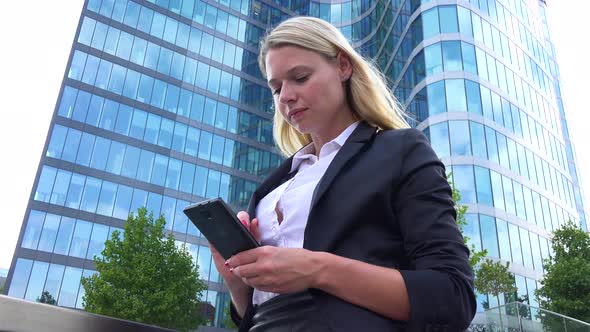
(294, 113)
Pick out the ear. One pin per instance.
(344, 66)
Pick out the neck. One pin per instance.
(332, 131)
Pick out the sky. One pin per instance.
(36, 38)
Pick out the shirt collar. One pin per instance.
(308, 151)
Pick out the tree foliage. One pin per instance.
(566, 286)
(494, 278)
(475, 256)
(144, 277)
(47, 298)
(228, 323)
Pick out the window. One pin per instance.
(70, 286)
(483, 185)
(180, 219)
(430, 23)
(436, 98)
(508, 195)
(204, 262)
(515, 243)
(179, 138)
(37, 280)
(100, 153)
(99, 236)
(455, 95)
(452, 55)
(106, 201)
(94, 110)
(71, 145)
(200, 183)
(54, 278)
(460, 138)
(433, 59)
(131, 162)
(122, 202)
(115, 159)
(56, 143)
(187, 177)
(67, 102)
(50, 228)
(439, 139)
(497, 190)
(33, 231)
(20, 278)
(489, 235)
(173, 175)
(464, 16)
(469, 60)
(75, 191)
(64, 238)
(160, 168)
(81, 239)
(464, 182)
(45, 185)
(217, 149)
(84, 154)
(448, 19)
(504, 239)
(526, 248)
(90, 195)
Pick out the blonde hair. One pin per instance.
(368, 94)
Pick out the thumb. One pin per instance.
(244, 218)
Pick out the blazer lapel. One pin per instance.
(351, 147)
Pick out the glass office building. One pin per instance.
(162, 104)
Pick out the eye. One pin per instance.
(277, 91)
(301, 79)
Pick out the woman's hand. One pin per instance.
(238, 289)
(277, 270)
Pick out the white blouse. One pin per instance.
(282, 214)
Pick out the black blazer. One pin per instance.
(385, 200)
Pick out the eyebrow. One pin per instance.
(289, 72)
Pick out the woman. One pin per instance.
(358, 226)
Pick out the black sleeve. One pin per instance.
(244, 323)
(439, 279)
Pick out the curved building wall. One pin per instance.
(480, 79)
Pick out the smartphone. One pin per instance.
(220, 226)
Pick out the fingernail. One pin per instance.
(226, 263)
(231, 269)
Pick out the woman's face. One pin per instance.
(308, 89)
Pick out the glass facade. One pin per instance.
(162, 105)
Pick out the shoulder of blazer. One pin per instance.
(402, 134)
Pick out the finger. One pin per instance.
(245, 271)
(244, 218)
(255, 229)
(243, 258)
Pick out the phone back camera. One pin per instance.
(205, 214)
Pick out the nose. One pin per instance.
(287, 94)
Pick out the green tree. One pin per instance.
(228, 323)
(144, 277)
(47, 298)
(475, 256)
(565, 287)
(494, 278)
